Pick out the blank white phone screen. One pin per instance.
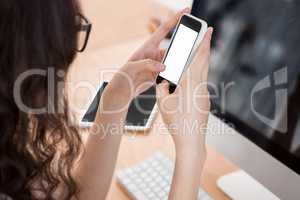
(179, 53)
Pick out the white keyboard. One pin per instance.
(151, 179)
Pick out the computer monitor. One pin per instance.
(254, 84)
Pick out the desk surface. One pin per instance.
(114, 51)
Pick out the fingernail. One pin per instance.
(160, 66)
(211, 30)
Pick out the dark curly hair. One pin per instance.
(37, 151)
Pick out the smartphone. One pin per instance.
(187, 37)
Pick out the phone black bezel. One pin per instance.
(190, 23)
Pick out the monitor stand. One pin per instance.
(241, 186)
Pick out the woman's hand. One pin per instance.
(144, 65)
(150, 49)
(131, 80)
(185, 112)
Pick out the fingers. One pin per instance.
(204, 48)
(204, 53)
(162, 90)
(167, 26)
(152, 65)
(200, 64)
(202, 58)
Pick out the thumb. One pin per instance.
(152, 65)
(162, 91)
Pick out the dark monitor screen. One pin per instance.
(254, 75)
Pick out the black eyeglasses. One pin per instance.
(84, 29)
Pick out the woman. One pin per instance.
(41, 155)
